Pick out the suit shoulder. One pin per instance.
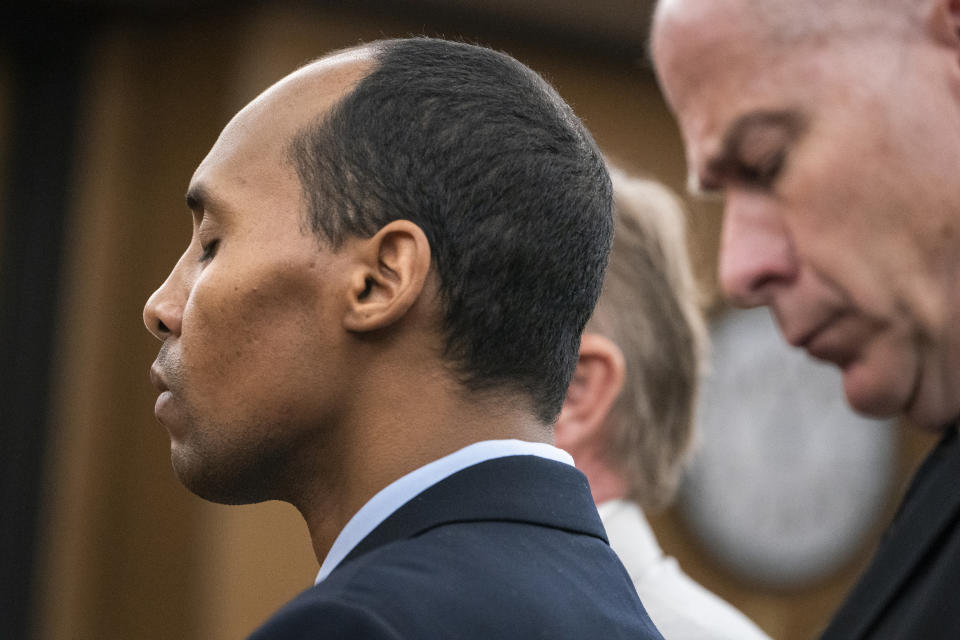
(473, 580)
(308, 617)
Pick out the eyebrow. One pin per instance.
(200, 200)
(791, 121)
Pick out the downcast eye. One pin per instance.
(765, 169)
(209, 250)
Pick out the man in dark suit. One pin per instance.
(394, 252)
(832, 130)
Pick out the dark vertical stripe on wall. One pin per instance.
(46, 55)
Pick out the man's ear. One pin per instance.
(596, 383)
(943, 22)
(388, 276)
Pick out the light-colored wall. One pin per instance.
(129, 553)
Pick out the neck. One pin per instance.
(605, 483)
(402, 426)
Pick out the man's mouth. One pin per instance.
(825, 340)
(157, 379)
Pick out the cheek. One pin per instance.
(889, 269)
(253, 336)
(853, 237)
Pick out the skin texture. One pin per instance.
(840, 199)
(291, 371)
(244, 308)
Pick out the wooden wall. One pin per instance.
(129, 553)
(6, 103)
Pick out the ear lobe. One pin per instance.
(388, 276)
(596, 383)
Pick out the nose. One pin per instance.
(756, 251)
(163, 312)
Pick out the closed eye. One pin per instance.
(758, 172)
(755, 149)
(764, 171)
(209, 250)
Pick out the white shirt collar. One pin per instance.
(400, 491)
(630, 536)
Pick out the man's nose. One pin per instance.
(756, 251)
(163, 313)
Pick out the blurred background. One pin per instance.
(106, 108)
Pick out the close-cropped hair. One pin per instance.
(650, 308)
(507, 185)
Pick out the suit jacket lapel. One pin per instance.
(514, 488)
(932, 502)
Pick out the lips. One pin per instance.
(801, 328)
(161, 409)
(157, 380)
(805, 338)
(829, 340)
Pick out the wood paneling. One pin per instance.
(6, 99)
(122, 537)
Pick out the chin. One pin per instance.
(902, 387)
(876, 394)
(220, 481)
(931, 416)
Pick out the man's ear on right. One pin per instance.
(596, 383)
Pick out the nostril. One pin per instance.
(162, 328)
(761, 282)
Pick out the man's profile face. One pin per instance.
(253, 354)
(840, 202)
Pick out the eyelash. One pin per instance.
(763, 173)
(207, 252)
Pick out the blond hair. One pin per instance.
(650, 308)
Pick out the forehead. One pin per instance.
(714, 69)
(254, 141)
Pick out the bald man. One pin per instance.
(832, 130)
(394, 252)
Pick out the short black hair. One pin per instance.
(504, 180)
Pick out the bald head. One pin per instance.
(260, 133)
(790, 22)
(805, 119)
(272, 119)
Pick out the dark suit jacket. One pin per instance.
(508, 548)
(912, 588)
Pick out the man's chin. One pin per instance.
(872, 394)
(221, 484)
(929, 416)
(902, 391)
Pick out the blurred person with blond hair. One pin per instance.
(628, 415)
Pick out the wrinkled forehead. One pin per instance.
(713, 67)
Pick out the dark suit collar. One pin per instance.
(932, 502)
(524, 488)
